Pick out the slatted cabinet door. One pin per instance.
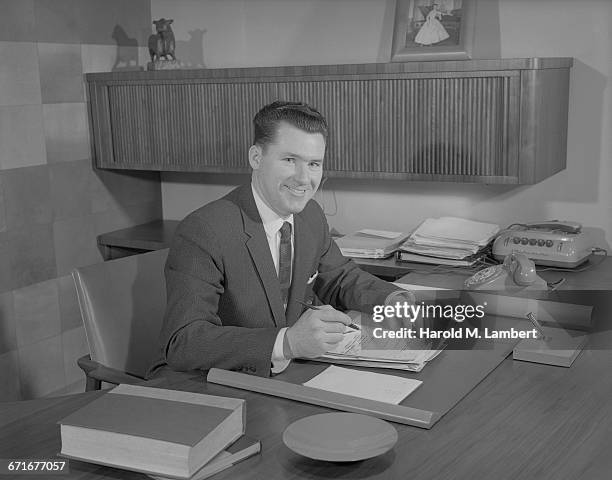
(426, 128)
(497, 121)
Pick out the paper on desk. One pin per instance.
(456, 229)
(410, 286)
(409, 367)
(379, 233)
(359, 348)
(370, 385)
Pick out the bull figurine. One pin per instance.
(161, 44)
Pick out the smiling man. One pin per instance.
(241, 269)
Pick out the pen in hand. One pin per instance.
(314, 307)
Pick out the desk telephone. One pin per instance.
(556, 243)
(517, 273)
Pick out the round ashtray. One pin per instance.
(340, 437)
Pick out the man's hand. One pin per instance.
(315, 332)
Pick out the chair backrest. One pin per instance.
(122, 304)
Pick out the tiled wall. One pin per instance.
(52, 201)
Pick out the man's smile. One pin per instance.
(297, 190)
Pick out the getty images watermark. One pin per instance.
(431, 314)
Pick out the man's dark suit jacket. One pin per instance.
(224, 302)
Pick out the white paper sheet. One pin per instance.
(370, 385)
(356, 345)
(380, 233)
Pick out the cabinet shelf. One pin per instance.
(486, 121)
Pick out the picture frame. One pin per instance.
(426, 30)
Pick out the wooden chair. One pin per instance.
(122, 304)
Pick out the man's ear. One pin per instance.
(255, 156)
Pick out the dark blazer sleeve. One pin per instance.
(193, 334)
(341, 283)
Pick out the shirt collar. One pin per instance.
(271, 220)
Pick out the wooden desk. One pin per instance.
(594, 274)
(138, 239)
(158, 234)
(523, 421)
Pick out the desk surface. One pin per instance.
(595, 274)
(153, 235)
(523, 421)
(158, 234)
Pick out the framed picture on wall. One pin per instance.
(433, 30)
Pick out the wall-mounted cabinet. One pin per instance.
(486, 121)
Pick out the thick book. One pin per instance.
(151, 430)
(241, 449)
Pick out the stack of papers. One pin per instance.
(369, 243)
(448, 240)
(357, 349)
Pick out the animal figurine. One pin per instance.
(161, 44)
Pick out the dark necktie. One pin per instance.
(284, 261)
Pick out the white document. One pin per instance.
(380, 233)
(411, 286)
(409, 367)
(370, 385)
(357, 346)
(459, 229)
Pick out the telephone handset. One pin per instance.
(515, 274)
(557, 225)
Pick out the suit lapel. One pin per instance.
(305, 249)
(259, 250)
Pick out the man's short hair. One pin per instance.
(298, 114)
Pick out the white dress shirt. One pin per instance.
(272, 222)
